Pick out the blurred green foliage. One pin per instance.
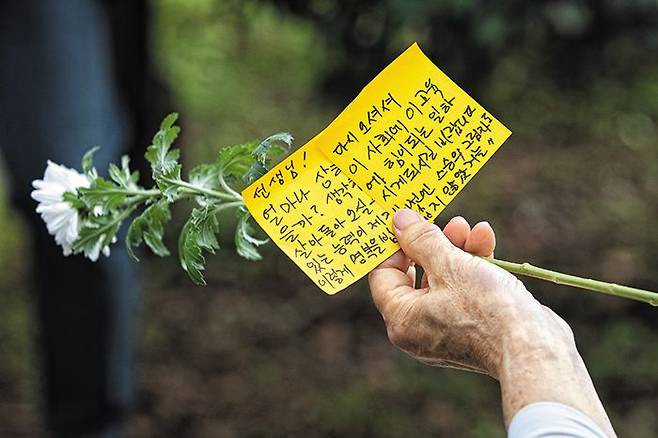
(18, 381)
(261, 351)
(239, 71)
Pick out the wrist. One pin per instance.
(529, 333)
(539, 362)
(538, 365)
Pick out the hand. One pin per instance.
(473, 315)
(467, 312)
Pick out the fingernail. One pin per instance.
(404, 218)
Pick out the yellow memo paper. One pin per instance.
(411, 139)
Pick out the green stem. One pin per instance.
(191, 188)
(225, 186)
(79, 243)
(221, 207)
(571, 280)
(133, 192)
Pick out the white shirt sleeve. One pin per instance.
(552, 420)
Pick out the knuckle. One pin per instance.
(421, 232)
(425, 241)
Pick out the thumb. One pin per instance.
(422, 241)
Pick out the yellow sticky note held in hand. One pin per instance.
(411, 139)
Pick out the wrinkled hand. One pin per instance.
(466, 311)
(470, 314)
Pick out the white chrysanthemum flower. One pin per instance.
(61, 218)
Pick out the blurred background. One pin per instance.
(260, 351)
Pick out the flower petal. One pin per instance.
(61, 218)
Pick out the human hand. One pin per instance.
(467, 313)
(470, 314)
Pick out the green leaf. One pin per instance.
(97, 232)
(163, 159)
(269, 149)
(190, 255)
(88, 163)
(165, 169)
(234, 161)
(268, 146)
(198, 234)
(101, 193)
(255, 171)
(149, 227)
(207, 227)
(245, 243)
(73, 199)
(250, 161)
(168, 183)
(123, 176)
(206, 176)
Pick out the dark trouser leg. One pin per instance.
(58, 98)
